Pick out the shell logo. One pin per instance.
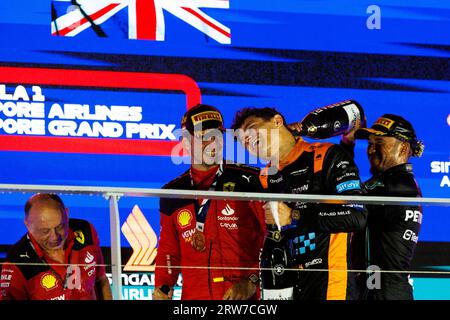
(48, 282)
(184, 218)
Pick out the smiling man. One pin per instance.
(316, 236)
(58, 259)
(215, 244)
(393, 231)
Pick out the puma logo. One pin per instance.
(25, 255)
(246, 177)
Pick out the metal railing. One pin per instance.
(113, 194)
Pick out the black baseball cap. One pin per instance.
(202, 117)
(391, 125)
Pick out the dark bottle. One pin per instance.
(332, 120)
(276, 281)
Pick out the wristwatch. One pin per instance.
(295, 214)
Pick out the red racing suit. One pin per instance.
(234, 232)
(30, 275)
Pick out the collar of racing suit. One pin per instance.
(405, 167)
(203, 179)
(298, 149)
(41, 254)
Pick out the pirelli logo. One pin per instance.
(206, 116)
(142, 239)
(387, 123)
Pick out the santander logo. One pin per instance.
(228, 211)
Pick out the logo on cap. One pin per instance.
(385, 122)
(206, 116)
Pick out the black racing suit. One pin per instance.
(320, 237)
(393, 233)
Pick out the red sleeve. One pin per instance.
(168, 253)
(12, 284)
(100, 270)
(257, 208)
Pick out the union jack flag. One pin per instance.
(145, 17)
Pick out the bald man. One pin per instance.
(58, 259)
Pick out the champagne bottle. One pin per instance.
(277, 282)
(332, 120)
